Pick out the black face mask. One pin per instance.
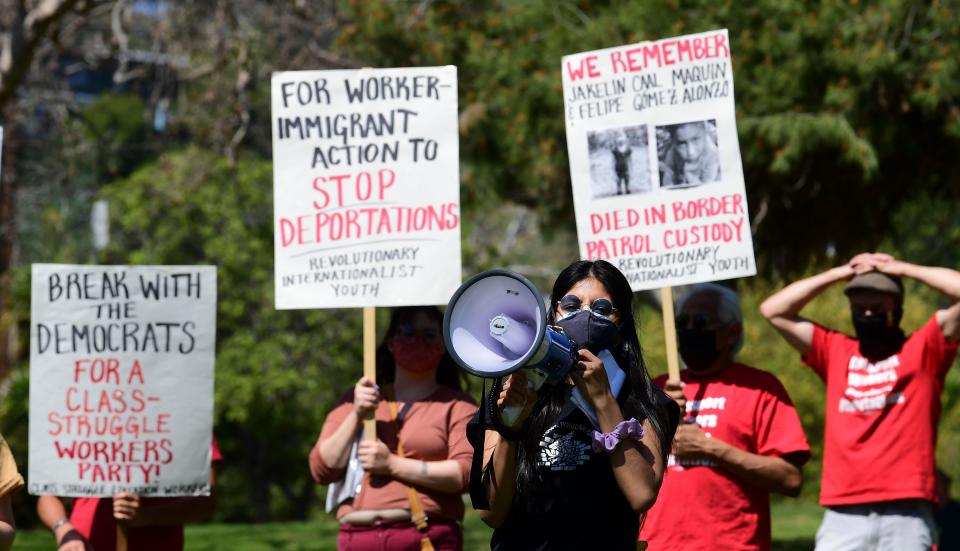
(590, 331)
(698, 348)
(879, 337)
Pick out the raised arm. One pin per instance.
(782, 309)
(500, 454)
(943, 280)
(637, 465)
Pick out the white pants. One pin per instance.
(887, 526)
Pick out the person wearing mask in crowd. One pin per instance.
(583, 460)
(10, 482)
(421, 458)
(741, 442)
(152, 523)
(883, 400)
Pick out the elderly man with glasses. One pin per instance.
(742, 438)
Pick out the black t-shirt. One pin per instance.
(579, 504)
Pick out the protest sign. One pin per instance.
(655, 162)
(121, 379)
(366, 187)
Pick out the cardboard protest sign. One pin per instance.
(655, 163)
(121, 379)
(366, 187)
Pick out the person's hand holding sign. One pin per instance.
(126, 507)
(690, 442)
(375, 457)
(365, 396)
(674, 389)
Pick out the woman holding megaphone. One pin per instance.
(411, 478)
(583, 460)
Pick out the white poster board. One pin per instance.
(366, 187)
(655, 162)
(121, 379)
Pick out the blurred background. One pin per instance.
(155, 114)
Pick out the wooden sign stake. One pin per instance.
(370, 364)
(670, 333)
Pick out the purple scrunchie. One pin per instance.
(631, 428)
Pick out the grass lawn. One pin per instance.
(794, 525)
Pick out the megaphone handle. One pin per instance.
(511, 413)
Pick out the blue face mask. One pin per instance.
(589, 330)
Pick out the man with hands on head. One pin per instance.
(883, 400)
(154, 524)
(741, 441)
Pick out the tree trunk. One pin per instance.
(8, 231)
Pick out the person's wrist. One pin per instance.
(393, 464)
(362, 415)
(904, 269)
(61, 529)
(604, 400)
(843, 272)
(608, 413)
(715, 449)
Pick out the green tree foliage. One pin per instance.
(277, 372)
(845, 109)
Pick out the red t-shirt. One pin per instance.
(93, 518)
(882, 417)
(702, 506)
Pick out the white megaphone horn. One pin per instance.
(496, 323)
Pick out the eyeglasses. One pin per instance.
(696, 321)
(410, 332)
(571, 304)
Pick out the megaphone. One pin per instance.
(496, 323)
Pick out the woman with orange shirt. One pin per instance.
(421, 453)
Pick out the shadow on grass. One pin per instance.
(799, 544)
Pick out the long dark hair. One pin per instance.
(639, 398)
(447, 372)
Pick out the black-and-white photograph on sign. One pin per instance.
(618, 161)
(688, 154)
